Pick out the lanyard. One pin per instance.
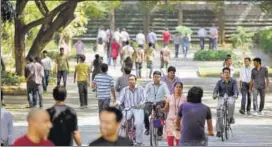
(155, 92)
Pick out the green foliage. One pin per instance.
(266, 6)
(210, 55)
(265, 40)
(11, 79)
(147, 6)
(241, 37)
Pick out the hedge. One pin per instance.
(211, 55)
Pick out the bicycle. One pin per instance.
(226, 122)
(155, 123)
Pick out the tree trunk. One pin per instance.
(146, 23)
(19, 47)
(3, 67)
(112, 19)
(221, 24)
(180, 15)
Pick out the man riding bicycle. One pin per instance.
(228, 86)
(133, 96)
(156, 91)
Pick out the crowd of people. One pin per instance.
(186, 115)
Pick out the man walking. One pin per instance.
(31, 93)
(259, 84)
(170, 79)
(165, 55)
(47, 64)
(139, 61)
(6, 126)
(166, 35)
(110, 121)
(140, 39)
(152, 38)
(79, 46)
(201, 35)
(82, 74)
(176, 39)
(39, 69)
(38, 129)
(124, 36)
(213, 37)
(64, 120)
(149, 57)
(133, 96)
(245, 77)
(104, 87)
(62, 67)
(156, 91)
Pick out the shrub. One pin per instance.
(265, 40)
(241, 37)
(11, 79)
(211, 55)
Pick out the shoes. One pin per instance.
(218, 134)
(242, 112)
(261, 113)
(85, 106)
(81, 107)
(248, 113)
(232, 121)
(255, 113)
(146, 132)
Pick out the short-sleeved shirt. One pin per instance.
(166, 36)
(156, 93)
(119, 142)
(258, 77)
(64, 120)
(25, 141)
(193, 121)
(104, 83)
(62, 63)
(170, 85)
(82, 70)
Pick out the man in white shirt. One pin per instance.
(117, 35)
(127, 51)
(245, 77)
(79, 46)
(213, 37)
(202, 34)
(102, 34)
(47, 64)
(140, 39)
(124, 36)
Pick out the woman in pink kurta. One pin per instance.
(114, 51)
(173, 103)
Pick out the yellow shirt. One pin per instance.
(82, 70)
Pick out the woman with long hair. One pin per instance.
(173, 103)
(95, 66)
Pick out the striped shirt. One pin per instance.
(104, 83)
(130, 99)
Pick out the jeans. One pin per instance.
(34, 91)
(220, 104)
(139, 69)
(103, 104)
(256, 92)
(185, 49)
(176, 50)
(213, 43)
(138, 122)
(246, 97)
(62, 74)
(46, 79)
(83, 93)
(210, 43)
(194, 143)
(108, 53)
(149, 65)
(202, 42)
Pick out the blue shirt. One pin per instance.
(151, 37)
(104, 83)
(176, 39)
(6, 127)
(156, 93)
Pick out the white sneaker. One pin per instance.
(255, 114)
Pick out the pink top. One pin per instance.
(174, 104)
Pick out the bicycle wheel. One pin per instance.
(153, 134)
(226, 127)
(223, 125)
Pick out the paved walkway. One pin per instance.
(248, 130)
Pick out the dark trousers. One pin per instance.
(210, 43)
(103, 104)
(152, 44)
(256, 92)
(246, 97)
(62, 74)
(108, 53)
(147, 113)
(46, 79)
(83, 93)
(34, 93)
(176, 50)
(138, 69)
(164, 63)
(202, 42)
(149, 65)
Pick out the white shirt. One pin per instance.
(117, 36)
(140, 39)
(124, 36)
(128, 51)
(201, 32)
(245, 74)
(102, 34)
(47, 63)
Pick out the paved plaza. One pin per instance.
(247, 131)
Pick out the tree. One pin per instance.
(55, 16)
(111, 6)
(146, 8)
(266, 6)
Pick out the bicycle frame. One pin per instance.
(129, 126)
(226, 122)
